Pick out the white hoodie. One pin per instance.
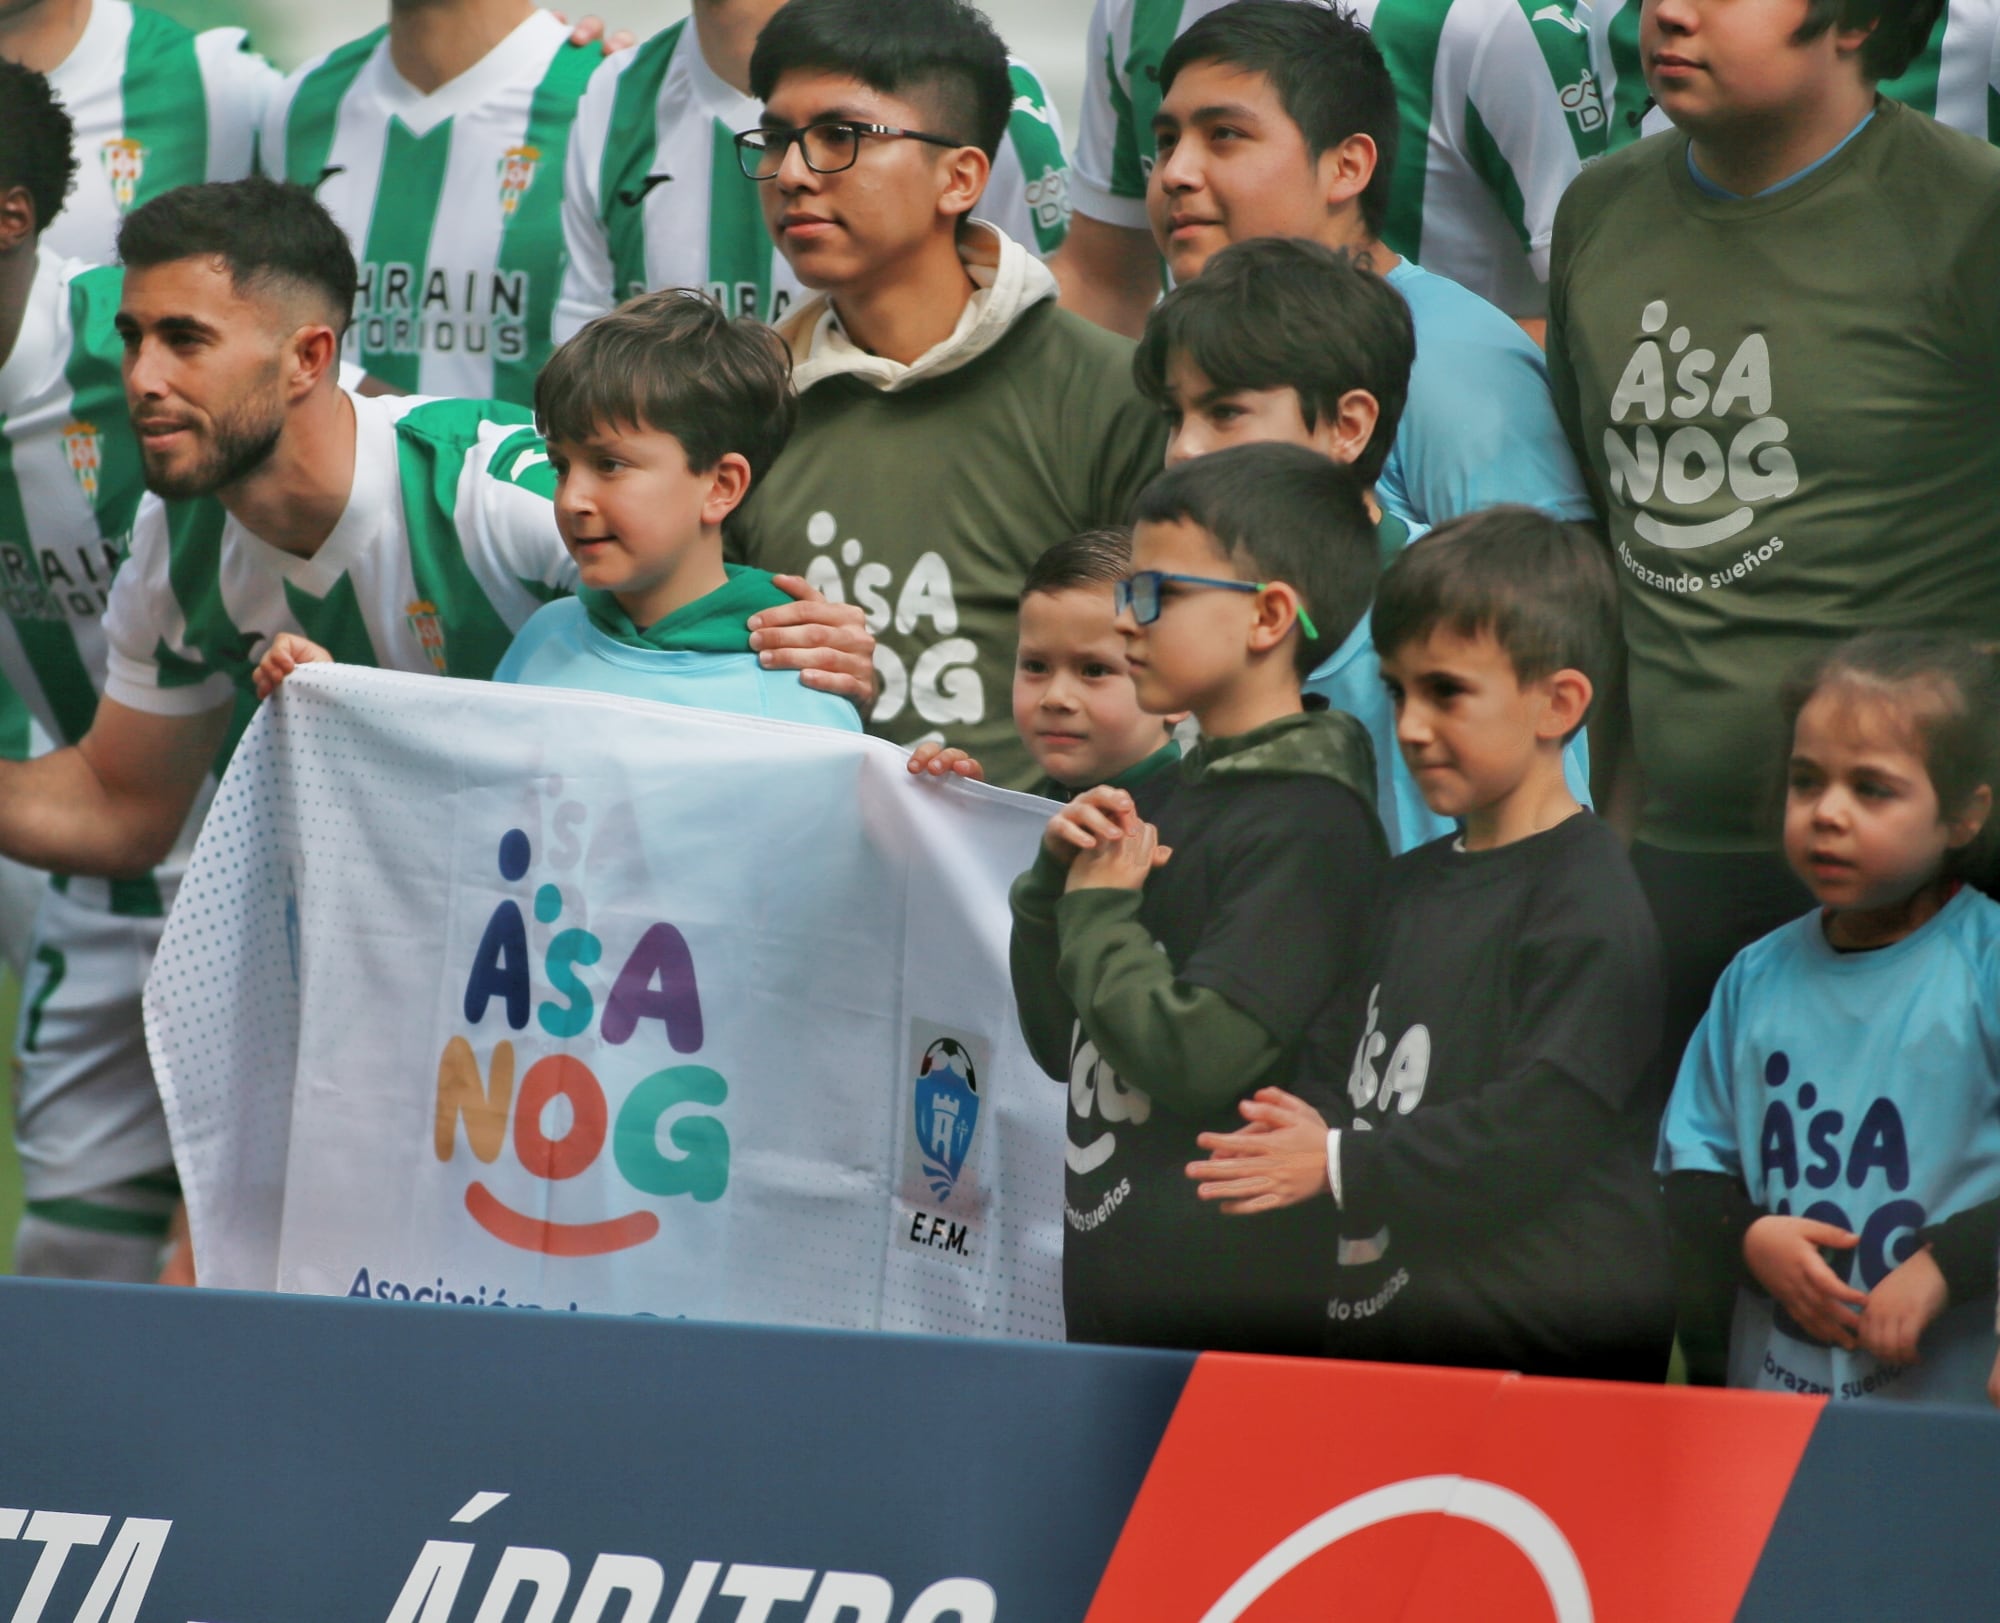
(1008, 281)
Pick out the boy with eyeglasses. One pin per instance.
(1172, 944)
(951, 418)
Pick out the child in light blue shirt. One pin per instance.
(1832, 1147)
(658, 417)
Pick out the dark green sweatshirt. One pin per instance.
(1163, 1008)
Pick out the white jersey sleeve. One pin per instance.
(1106, 176)
(149, 664)
(587, 291)
(1027, 195)
(1536, 114)
(506, 521)
(239, 86)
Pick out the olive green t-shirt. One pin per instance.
(925, 505)
(1788, 408)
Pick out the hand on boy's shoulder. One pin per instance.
(828, 644)
(935, 760)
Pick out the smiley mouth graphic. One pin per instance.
(1686, 537)
(1087, 1158)
(557, 1239)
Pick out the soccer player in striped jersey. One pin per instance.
(153, 105)
(409, 534)
(1955, 78)
(1498, 109)
(92, 1141)
(438, 143)
(654, 196)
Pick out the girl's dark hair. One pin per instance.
(1947, 687)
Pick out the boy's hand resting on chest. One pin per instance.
(1277, 1160)
(1105, 844)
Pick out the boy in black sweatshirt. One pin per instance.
(1174, 941)
(1490, 1156)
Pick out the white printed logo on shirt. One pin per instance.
(1095, 1090)
(1676, 471)
(942, 684)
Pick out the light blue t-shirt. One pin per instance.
(560, 647)
(1861, 1089)
(1479, 426)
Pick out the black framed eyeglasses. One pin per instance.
(1140, 595)
(829, 146)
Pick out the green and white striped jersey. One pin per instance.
(155, 106)
(654, 196)
(452, 200)
(1956, 80)
(1498, 106)
(447, 545)
(70, 491)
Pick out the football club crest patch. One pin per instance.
(423, 618)
(947, 1106)
(124, 161)
(84, 447)
(517, 174)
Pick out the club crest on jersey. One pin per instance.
(517, 174)
(423, 618)
(124, 161)
(84, 447)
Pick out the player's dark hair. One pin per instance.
(942, 54)
(675, 362)
(1094, 558)
(1945, 690)
(1325, 67)
(1284, 313)
(1279, 513)
(1901, 30)
(1542, 589)
(267, 232)
(36, 148)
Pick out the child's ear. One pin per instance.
(728, 484)
(1964, 828)
(1277, 613)
(1568, 695)
(1344, 432)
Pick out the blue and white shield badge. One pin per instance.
(947, 1107)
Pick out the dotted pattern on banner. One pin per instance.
(221, 1008)
(809, 877)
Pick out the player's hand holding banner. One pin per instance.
(532, 997)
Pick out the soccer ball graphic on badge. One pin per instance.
(947, 1111)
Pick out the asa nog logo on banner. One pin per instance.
(655, 981)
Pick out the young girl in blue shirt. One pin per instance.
(1832, 1146)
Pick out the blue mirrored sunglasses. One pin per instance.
(1140, 594)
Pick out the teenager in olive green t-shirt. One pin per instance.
(1775, 344)
(953, 422)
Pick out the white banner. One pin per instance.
(479, 993)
